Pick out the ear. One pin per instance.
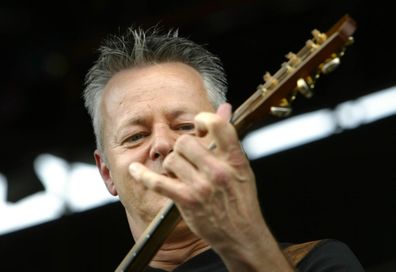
(105, 173)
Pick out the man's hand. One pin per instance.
(214, 189)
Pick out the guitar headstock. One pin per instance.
(320, 55)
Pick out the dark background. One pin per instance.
(342, 187)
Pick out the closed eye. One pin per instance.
(186, 127)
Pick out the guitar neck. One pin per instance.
(139, 257)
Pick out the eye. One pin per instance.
(186, 127)
(135, 138)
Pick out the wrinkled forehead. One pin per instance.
(142, 80)
(172, 87)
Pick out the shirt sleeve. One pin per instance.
(330, 256)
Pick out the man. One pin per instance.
(157, 103)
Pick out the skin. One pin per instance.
(157, 125)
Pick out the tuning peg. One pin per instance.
(318, 36)
(262, 89)
(294, 60)
(282, 110)
(304, 87)
(349, 42)
(270, 80)
(311, 45)
(330, 65)
(288, 67)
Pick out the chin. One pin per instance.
(152, 207)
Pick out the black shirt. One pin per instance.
(329, 255)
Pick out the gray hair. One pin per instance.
(138, 47)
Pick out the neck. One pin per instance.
(179, 248)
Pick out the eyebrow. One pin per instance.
(135, 120)
(142, 119)
(174, 113)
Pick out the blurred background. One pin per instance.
(341, 186)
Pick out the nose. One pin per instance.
(163, 139)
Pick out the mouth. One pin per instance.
(169, 175)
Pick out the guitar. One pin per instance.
(320, 55)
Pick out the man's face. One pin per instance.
(144, 110)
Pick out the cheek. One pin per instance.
(119, 168)
(128, 190)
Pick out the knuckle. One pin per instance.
(219, 176)
(193, 197)
(189, 201)
(157, 185)
(204, 189)
(236, 157)
(192, 203)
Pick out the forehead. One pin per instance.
(153, 77)
(166, 86)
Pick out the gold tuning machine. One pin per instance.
(318, 36)
(294, 60)
(329, 65)
(310, 44)
(270, 80)
(283, 109)
(305, 86)
(334, 60)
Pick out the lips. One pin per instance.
(169, 175)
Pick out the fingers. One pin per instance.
(217, 127)
(216, 131)
(178, 166)
(192, 150)
(224, 111)
(194, 170)
(161, 184)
